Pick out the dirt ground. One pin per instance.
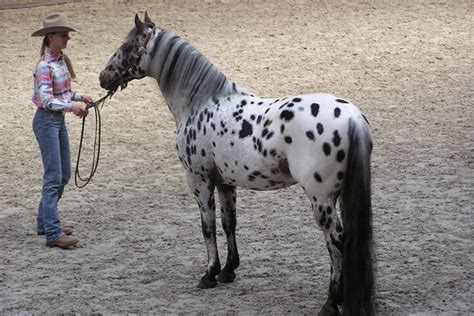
(408, 66)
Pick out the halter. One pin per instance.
(133, 62)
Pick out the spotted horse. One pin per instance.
(227, 137)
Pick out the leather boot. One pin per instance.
(63, 242)
(68, 230)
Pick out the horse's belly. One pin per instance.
(252, 172)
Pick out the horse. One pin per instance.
(227, 137)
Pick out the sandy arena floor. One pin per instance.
(409, 67)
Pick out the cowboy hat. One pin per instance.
(55, 22)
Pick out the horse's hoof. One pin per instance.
(328, 310)
(226, 276)
(207, 283)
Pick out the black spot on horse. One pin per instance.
(315, 109)
(288, 140)
(337, 112)
(341, 101)
(282, 128)
(310, 135)
(320, 128)
(282, 106)
(246, 129)
(286, 115)
(296, 100)
(340, 175)
(327, 149)
(318, 178)
(340, 155)
(269, 135)
(336, 139)
(203, 152)
(322, 219)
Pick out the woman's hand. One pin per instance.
(79, 109)
(88, 101)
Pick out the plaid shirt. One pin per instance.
(52, 83)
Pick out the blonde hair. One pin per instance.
(70, 68)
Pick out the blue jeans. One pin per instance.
(51, 133)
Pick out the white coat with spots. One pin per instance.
(228, 138)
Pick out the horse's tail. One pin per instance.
(357, 268)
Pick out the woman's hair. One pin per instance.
(70, 68)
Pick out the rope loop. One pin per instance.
(97, 136)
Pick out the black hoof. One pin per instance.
(207, 282)
(226, 276)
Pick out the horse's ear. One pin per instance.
(147, 18)
(139, 24)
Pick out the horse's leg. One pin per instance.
(328, 220)
(227, 198)
(204, 194)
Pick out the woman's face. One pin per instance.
(58, 41)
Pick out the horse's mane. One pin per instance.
(184, 75)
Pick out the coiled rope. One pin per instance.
(78, 179)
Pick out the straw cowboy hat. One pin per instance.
(56, 22)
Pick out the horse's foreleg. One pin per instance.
(328, 220)
(204, 193)
(227, 198)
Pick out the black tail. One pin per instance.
(357, 266)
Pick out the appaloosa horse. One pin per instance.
(227, 137)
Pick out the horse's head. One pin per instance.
(127, 63)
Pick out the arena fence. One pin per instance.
(13, 4)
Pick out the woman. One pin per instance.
(53, 97)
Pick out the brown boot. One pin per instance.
(63, 242)
(68, 230)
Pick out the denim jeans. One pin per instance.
(51, 133)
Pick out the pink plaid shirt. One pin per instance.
(52, 83)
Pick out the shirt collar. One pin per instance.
(52, 54)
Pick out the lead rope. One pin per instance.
(96, 152)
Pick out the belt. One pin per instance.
(58, 113)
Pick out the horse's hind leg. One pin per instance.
(204, 194)
(227, 198)
(328, 220)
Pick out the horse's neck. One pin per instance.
(187, 79)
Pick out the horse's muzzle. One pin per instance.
(107, 81)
